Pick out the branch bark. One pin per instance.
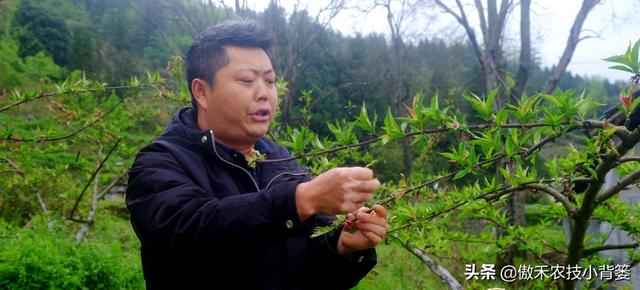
(93, 175)
(525, 50)
(623, 183)
(590, 201)
(572, 43)
(591, 251)
(440, 271)
(84, 229)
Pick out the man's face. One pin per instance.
(243, 100)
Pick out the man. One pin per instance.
(206, 219)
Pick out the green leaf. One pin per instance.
(462, 173)
(634, 56)
(622, 68)
(621, 59)
(363, 120)
(434, 102)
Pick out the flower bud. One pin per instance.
(626, 101)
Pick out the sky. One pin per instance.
(611, 26)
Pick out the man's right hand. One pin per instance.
(339, 190)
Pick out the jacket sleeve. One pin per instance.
(345, 271)
(169, 211)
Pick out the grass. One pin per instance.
(398, 269)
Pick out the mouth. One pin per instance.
(260, 115)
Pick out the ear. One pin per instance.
(199, 88)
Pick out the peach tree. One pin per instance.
(552, 147)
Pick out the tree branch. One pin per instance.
(572, 42)
(441, 272)
(557, 195)
(70, 135)
(591, 251)
(93, 175)
(525, 49)
(621, 132)
(462, 19)
(629, 159)
(50, 94)
(620, 185)
(84, 229)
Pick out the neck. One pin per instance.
(242, 147)
(245, 149)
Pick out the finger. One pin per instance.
(360, 173)
(357, 197)
(371, 218)
(372, 237)
(376, 229)
(380, 211)
(351, 207)
(363, 209)
(367, 185)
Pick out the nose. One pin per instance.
(262, 91)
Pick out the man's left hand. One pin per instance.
(371, 229)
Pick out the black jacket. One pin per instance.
(205, 219)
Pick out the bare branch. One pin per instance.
(93, 175)
(112, 184)
(591, 251)
(629, 159)
(70, 135)
(462, 19)
(84, 229)
(51, 94)
(443, 273)
(525, 49)
(557, 195)
(483, 21)
(623, 183)
(572, 42)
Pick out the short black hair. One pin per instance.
(207, 54)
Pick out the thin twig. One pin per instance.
(72, 134)
(583, 124)
(50, 94)
(93, 175)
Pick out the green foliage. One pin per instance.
(24, 72)
(450, 206)
(628, 61)
(43, 257)
(40, 30)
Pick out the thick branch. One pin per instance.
(620, 185)
(525, 49)
(591, 251)
(557, 195)
(572, 42)
(444, 275)
(592, 199)
(462, 19)
(629, 159)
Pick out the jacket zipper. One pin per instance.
(281, 174)
(213, 144)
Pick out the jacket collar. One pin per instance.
(183, 126)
